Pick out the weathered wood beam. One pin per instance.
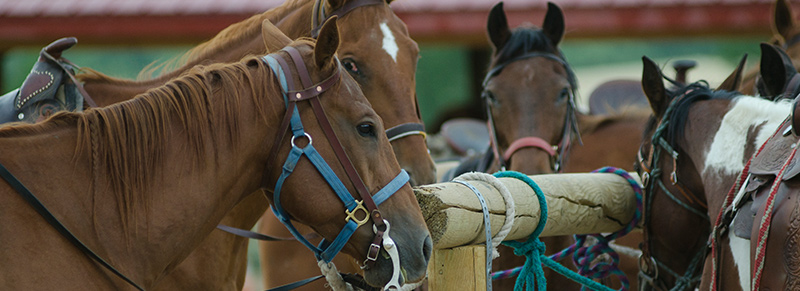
(578, 204)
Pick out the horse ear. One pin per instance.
(327, 42)
(783, 18)
(273, 37)
(734, 80)
(497, 27)
(553, 25)
(653, 87)
(776, 69)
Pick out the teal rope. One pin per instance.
(533, 249)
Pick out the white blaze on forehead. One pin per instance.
(726, 153)
(389, 43)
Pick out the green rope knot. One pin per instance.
(527, 248)
(533, 249)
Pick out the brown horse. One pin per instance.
(701, 139)
(382, 61)
(528, 71)
(162, 170)
(529, 93)
(786, 33)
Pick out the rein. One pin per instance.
(648, 264)
(569, 128)
(358, 212)
(60, 227)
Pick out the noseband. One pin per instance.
(569, 128)
(650, 173)
(358, 212)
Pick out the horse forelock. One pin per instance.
(688, 95)
(528, 39)
(523, 40)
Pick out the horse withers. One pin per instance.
(143, 182)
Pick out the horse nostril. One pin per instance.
(427, 248)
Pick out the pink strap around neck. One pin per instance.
(527, 142)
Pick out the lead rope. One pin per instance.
(766, 220)
(491, 243)
(585, 255)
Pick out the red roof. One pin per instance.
(116, 21)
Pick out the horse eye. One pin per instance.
(563, 95)
(366, 129)
(489, 96)
(350, 66)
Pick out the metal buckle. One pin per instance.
(351, 215)
(372, 253)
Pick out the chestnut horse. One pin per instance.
(162, 169)
(691, 155)
(376, 51)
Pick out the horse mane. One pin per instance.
(127, 141)
(691, 93)
(529, 38)
(229, 37)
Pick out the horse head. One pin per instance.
(529, 93)
(377, 51)
(351, 132)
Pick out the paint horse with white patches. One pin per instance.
(693, 150)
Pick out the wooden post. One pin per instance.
(461, 268)
(581, 203)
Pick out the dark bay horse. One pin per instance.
(527, 71)
(529, 94)
(376, 51)
(692, 153)
(786, 33)
(143, 182)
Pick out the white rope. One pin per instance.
(333, 277)
(510, 208)
(625, 250)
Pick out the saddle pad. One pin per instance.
(466, 135)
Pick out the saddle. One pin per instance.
(764, 168)
(50, 87)
(466, 135)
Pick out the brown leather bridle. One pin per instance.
(650, 174)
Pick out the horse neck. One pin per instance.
(197, 168)
(607, 140)
(230, 45)
(717, 124)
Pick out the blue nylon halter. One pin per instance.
(326, 250)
